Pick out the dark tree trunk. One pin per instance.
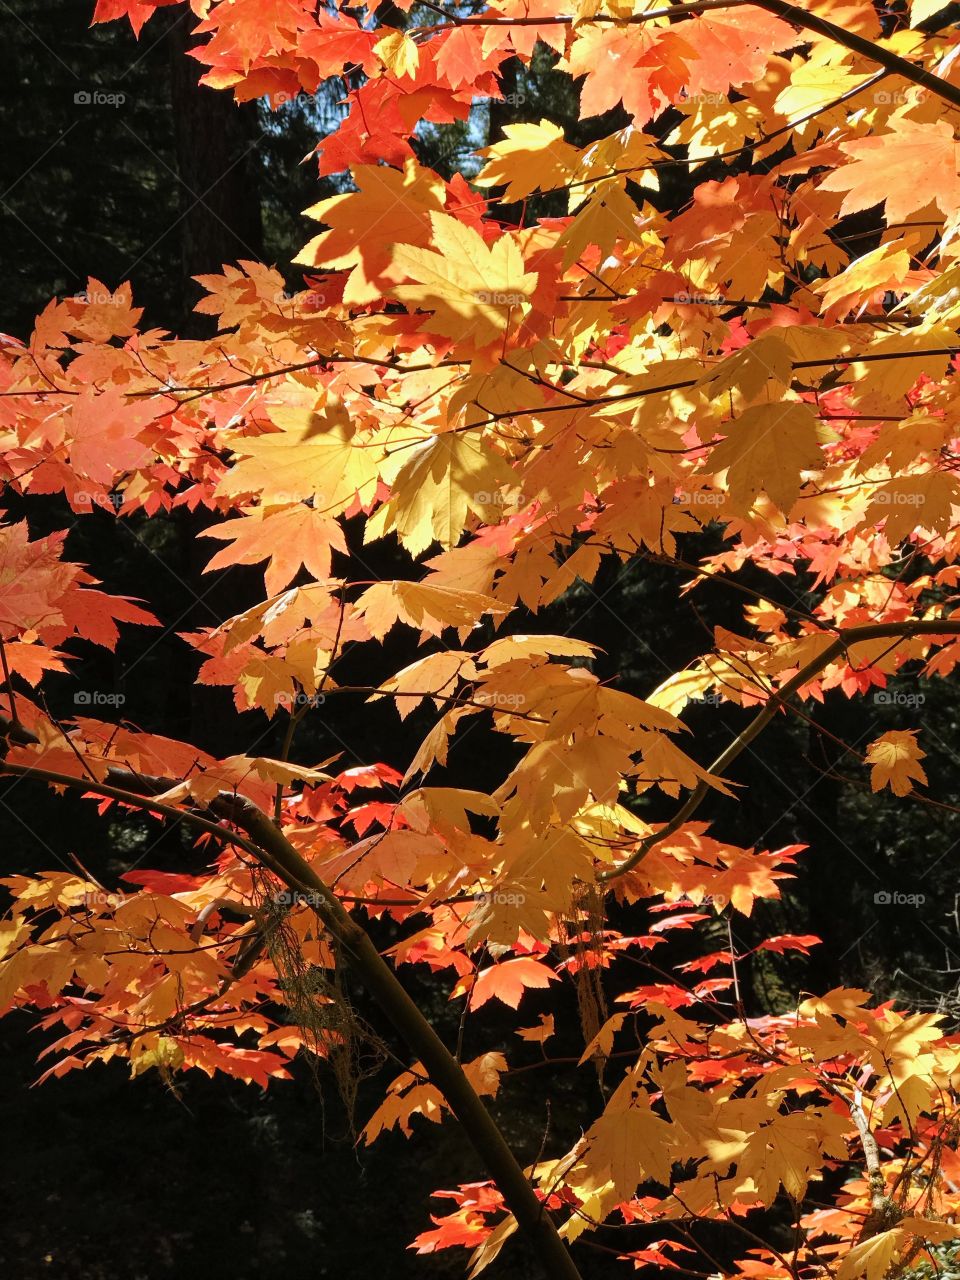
(216, 144)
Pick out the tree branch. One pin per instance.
(269, 845)
(846, 638)
(866, 48)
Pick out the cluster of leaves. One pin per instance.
(513, 405)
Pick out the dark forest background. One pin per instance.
(108, 1179)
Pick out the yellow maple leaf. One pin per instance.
(475, 292)
(419, 605)
(846, 1002)
(895, 759)
(364, 225)
(166, 1055)
(607, 216)
(481, 1257)
(885, 267)
(914, 502)
(532, 157)
(438, 483)
(434, 676)
(628, 1143)
(766, 450)
(398, 53)
(751, 369)
(930, 1228)
(313, 456)
(602, 1042)
(872, 1257)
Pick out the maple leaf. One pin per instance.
(418, 604)
(872, 1257)
(400, 200)
(766, 450)
(733, 48)
(915, 501)
(313, 456)
(883, 268)
(646, 70)
(399, 53)
(434, 675)
(288, 538)
(606, 217)
(464, 1228)
(93, 616)
(102, 433)
(628, 1143)
(539, 1034)
(895, 759)
(165, 1055)
(790, 942)
(31, 661)
(508, 981)
(440, 481)
(913, 166)
(767, 359)
(137, 11)
(484, 1073)
(32, 582)
(474, 292)
(602, 1043)
(532, 157)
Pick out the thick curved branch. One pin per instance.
(270, 846)
(134, 792)
(866, 48)
(845, 639)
